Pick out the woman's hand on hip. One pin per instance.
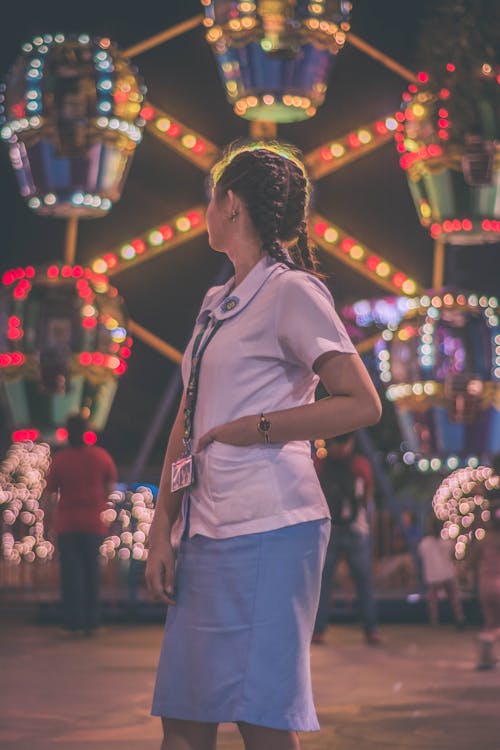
(160, 573)
(242, 431)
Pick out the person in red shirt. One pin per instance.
(347, 481)
(83, 476)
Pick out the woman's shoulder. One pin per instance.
(298, 283)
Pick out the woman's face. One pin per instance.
(217, 221)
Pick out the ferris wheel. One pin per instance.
(75, 109)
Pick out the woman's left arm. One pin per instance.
(353, 403)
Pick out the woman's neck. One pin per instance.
(244, 262)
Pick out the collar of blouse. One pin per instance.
(223, 302)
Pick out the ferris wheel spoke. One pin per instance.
(164, 36)
(341, 151)
(381, 57)
(151, 339)
(348, 250)
(174, 231)
(179, 137)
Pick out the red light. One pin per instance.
(18, 436)
(448, 226)
(29, 271)
(98, 358)
(398, 279)
(326, 154)
(194, 218)
(120, 97)
(21, 291)
(129, 341)
(14, 321)
(8, 277)
(372, 262)
(17, 358)
(89, 322)
(434, 150)
(14, 333)
(406, 97)
(199, 147)
(467, 225)
(52, 272)
(450, 68)
(85, 358)
(486, 225)
(400, 116)
(457, 225)
(443, 134)
(125, 352)
(422, 77)
(77, 272)
(412, 88)
(436, 229)
(110, 259)
(139, 246)
(444, 94)
(443, 123)
(18, 110)
(443, 112)
(122, 367)
(320, 228)
(61, 434)
(89, 438)
(381, 127)
(166, 232)
(174, 130)
(353, 141)
(66, 271)
(346, 244)
(147, 113)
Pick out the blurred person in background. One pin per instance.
(347, 481)
(82, 476)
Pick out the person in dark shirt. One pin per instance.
(347, 481)
(83, 476)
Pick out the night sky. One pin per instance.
(369, 198)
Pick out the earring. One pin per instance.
(234, 215)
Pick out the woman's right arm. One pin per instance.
(160, 568)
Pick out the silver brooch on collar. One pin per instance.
(229, 304)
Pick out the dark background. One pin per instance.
(369, 198)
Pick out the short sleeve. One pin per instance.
(307, 324)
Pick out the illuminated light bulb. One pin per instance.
(383, 269)
(155, 237)
(188, 140)
(337, 150)
(163, 124)
(268, 99)
(127, 252)
(183, 224)
(364, 136)
(356, 252)
(331, 235)
(100, 266)
(409, 286)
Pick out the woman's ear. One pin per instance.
(233, 203)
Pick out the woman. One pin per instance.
(253, 528)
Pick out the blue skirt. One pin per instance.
(237, 644)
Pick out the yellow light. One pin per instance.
(232, 87)
(418, 110)
(208, 22)
(248, 23)
(111, 324)
(183, 224)
(214, 34)
(155, 238)
(252, 101)
(331, 235)
(88, 311)
(409, 286)
(311, 111)
(313, 23)
(234, 24)
(356, 252)
(364, 136)
(189, 140)
(425, 210)
(337, 150)
(287, 99)
(268, 99)
(316, 8)
(340, 38)
(246, 7)
(383, 269)
(296, 101)
(100, 266)
(163, 124)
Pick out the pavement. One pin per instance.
(420, 689)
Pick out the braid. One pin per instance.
(275, 190)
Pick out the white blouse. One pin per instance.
(277, 323)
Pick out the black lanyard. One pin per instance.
(192, 387)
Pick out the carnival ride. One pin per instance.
(75, 111)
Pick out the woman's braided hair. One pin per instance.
(272, 182)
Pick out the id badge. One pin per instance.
(182, 473)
